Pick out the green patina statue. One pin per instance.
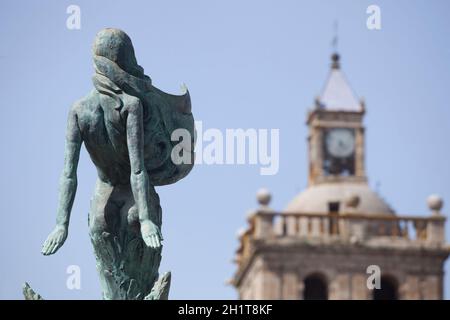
(126, 125)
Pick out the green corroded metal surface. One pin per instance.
(125, 124)
(29, 293)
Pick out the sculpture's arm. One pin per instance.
(140, 185)
(67, 186)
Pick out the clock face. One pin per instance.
(340, 142)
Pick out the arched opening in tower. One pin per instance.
(315, 288)
(388, 290)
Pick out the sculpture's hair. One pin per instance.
(113, 50)
(116, 45)
(107, 87)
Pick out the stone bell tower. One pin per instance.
(336, 132)
(338, 239)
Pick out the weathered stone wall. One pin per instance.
(278, 272)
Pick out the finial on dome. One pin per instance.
(335, 56)
(335, 61)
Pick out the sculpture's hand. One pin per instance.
(54, 240)
(151, 234)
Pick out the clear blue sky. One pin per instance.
(248, 64)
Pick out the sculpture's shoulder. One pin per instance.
(83, 107)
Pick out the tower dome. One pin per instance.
(347, 196)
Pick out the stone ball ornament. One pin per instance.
(435, 202)
(263, 196)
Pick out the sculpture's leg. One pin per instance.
(127, 268)
(101, 236)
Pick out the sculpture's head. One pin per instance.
(116, 45)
